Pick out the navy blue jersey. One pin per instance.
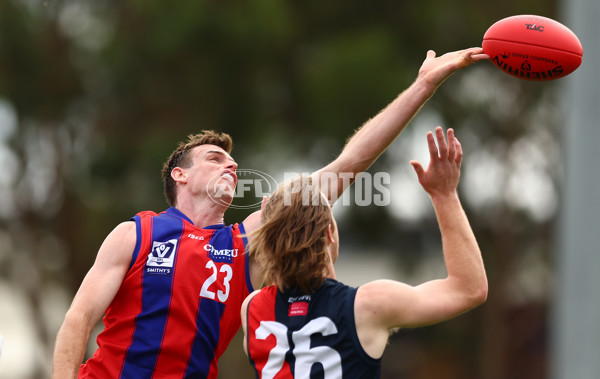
(294, 335)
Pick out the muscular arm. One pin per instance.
(371, 140)
(93, 297)
(385, 304)
(251, 224)
(243, 313)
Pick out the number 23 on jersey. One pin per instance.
(223, 275)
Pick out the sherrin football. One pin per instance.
(532, 47)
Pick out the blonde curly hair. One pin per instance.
(291, 244)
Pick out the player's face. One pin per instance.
(213, 172)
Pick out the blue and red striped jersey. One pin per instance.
(179, 304)
(295, 335)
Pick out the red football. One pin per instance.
(533, 47)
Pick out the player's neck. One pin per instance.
(202, 213)
(329, 272)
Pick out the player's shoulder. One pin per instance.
(252, 222)
(124, 229)
(143, 214)
(246, 302)
(250, 297)
(264, 294)
(119, 245)
(335, 289)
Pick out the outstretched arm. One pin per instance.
(371, 140)
(466, 284)
(385, 304)
(93, 297)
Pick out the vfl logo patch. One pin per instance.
(161, 257)
(223, 255)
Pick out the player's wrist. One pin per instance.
(444, 196)
(424, 85)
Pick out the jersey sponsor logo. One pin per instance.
(195, 237)
(221, 255)
(161, 257)
(299, 308)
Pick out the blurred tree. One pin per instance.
(101, 92)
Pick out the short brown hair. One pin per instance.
(291, 244)
(179, 157)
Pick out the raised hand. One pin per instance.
(435, 70)
(442, 175)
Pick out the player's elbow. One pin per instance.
(472, 293)
(79, 321)
(478, 293)
(481, 295)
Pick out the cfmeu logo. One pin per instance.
(252, 186)
(223, 255)
(161, 257)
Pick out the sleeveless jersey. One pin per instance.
(179, 304)
(292, 335)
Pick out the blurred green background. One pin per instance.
(94, 95)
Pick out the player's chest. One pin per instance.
(198, 264)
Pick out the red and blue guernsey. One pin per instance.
(179, 304)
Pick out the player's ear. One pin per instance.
(179, 175)
(330, 236)
(264, 202)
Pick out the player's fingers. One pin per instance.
(474, 54)
(418, 168)
(441, 139)
(459, 152)
(475, 50)
(451, 144)
(433, 150)
(479, 57)
(430, 54)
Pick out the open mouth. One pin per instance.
(229, 176)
